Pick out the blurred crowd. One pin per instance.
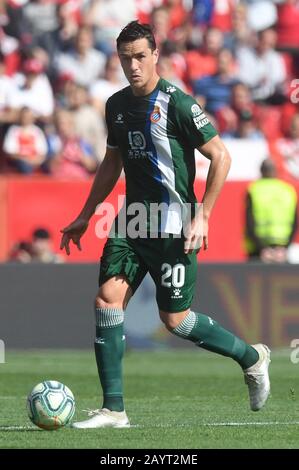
(58, 66)
(38, 249)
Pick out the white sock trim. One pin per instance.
(109, 317)
(185, 327)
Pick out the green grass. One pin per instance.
(175, 399)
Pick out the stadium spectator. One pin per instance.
(42, 249)
(165, 127)
(89, 125)
(228, 117)
(64, 87)
(240, 33)
(160, 21)
(213, 92)
(263, 69)
(288, 150)
(247, 127)
(215, 13)
(144, 9)
(177, 12)
(202, 12)
(9, 47)
(83, 61)
(38, 250)
(222, 14)
(14, 22)
(203, 61)
(192, 34)
(34, 91)
(62, 37)
(41, 17)
(175, 49)
(287, 27)
(271, 216)
(167, 70)
(21, 253)
(106, 17)
(7, 90)
(71, 157)
(112, 81)
(261, 14)
(25, 144)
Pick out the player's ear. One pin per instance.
(156, 55)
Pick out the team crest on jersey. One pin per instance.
(155, 115)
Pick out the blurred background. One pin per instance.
(58, 66)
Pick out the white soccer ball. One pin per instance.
(50, 405)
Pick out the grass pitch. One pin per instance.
(175, 400)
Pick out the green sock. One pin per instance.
(208, 334)
(109, 349)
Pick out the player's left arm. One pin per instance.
(218, 154)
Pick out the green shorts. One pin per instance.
(173, 272)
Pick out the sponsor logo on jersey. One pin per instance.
(170, 89)
(119, 119)
(195, 109)
(155, 115)
(138, 154)
(176, 294)
(138, 146)
(136, 140)
(201, 121)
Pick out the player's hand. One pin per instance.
(197, 235)
(73, 232)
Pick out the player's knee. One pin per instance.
(104, 300)
(102, 303)
(172, 320)
(114, 293)
(107, 315)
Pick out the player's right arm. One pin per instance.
(105, 179)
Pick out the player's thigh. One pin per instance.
(114, 293)
(121, 272)
(174, 274)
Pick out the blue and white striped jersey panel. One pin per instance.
(171, 220)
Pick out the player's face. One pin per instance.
(139, 65)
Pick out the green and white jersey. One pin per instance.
(157, 135)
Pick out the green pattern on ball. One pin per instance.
(50, 405)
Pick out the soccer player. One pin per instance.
(153, 129)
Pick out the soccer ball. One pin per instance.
(50, 405)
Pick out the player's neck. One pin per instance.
(148, 88)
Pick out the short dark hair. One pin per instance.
(268, 168)
(41, 233)
(135, 30)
